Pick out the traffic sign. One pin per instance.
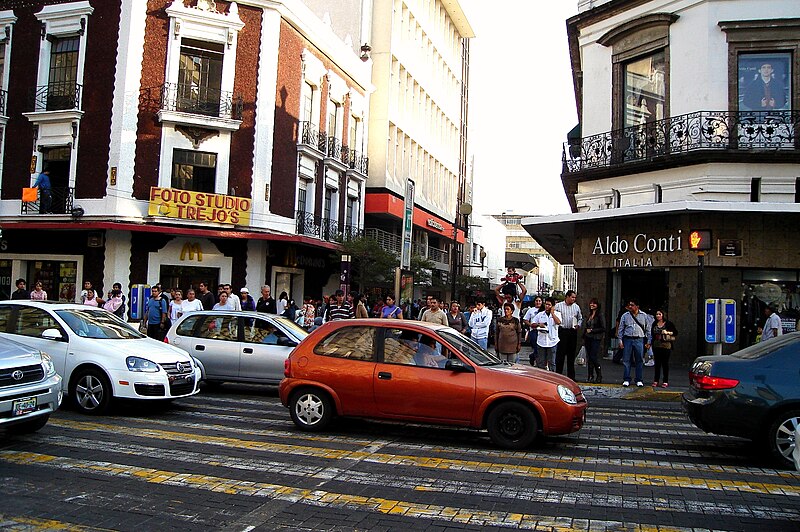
(729, 317)
(712, 321)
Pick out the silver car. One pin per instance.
(30, 388)
(237, 346)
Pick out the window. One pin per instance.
(351, 203)
(755, 189)
(301, 196)
(263, 332)
(765, 81)
(357, 343)
(194, 170)
(657, 194)
(645, 89)
(333, 115)
(410, 348)
(328, 206)
(200, 77)
(308, 103)
(220, 328)
(33, 322)
(62, 84)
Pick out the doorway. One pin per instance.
(185, 277)
(57, 160)
(649, 287)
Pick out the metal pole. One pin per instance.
(701, 300)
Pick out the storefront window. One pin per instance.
(58, 278)
(762, 288)
(6, 282)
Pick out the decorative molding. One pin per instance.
(196, 134)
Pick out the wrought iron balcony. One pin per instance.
(56, 96)
(355, 160)
(61, 201)
(199, 100)
(702, 131)
(324, 228)
(334, 149)
(309, 134)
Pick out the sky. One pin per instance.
(522, 104)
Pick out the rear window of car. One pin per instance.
(770, 346)
(357, 343)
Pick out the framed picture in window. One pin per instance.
(765, 81)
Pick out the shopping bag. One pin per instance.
(30, 193)
(580, 360)
(648, 358)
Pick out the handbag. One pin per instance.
(580, 360)
(30, 194)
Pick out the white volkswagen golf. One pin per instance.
(99, 356)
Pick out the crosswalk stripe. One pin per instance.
(18, 524)
(317, 497)
(625, 478)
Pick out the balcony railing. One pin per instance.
(431, 253)
(199, 100)
(61, 200)
(325, 229)
(355, 160)
(388, 241)
(677, 135)
(334, 149)
(309, 134)
(56, 96)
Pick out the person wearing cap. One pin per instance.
(772, 327)
(246, 301)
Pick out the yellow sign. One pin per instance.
(190, 249)
(199, 206)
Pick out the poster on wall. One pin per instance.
(765, 82)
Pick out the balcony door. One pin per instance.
(62, 82)
(200, 77)
(57, 160)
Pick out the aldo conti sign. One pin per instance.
(636, 252)
(199, 206)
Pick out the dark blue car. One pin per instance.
(753, 393)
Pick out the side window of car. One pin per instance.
(5, 315)
(33, 322)
(357, 343)
(186, 328)
(263, 332)
(220, 328)
(414, 349)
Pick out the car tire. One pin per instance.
(780, 437)
(311, 409)
(512, 425)
(90, 391)
(32, 425)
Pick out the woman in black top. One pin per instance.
(664, 333)
(594, 330)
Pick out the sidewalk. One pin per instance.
(612, 381)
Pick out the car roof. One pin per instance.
(226, 312)
(46, 304)
(383, 322)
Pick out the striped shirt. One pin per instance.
(570, 315)
(340, 312)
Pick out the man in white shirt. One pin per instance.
(479, 322)
(571, 320)
(191, 304)
(772, 327)
(233, 298)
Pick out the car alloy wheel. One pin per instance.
(512, 425)
(782, 436)
(311, 409)
(91, 392)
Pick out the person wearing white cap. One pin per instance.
(247, 302)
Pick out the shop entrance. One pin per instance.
(185, 277)
(58, 278)
(649, 287)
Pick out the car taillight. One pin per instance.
(709, 382)
(166, 340)
(287, 368)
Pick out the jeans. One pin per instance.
(565, 351)
(483, 342)
(633, 347)
(661, 357)
(546, 358)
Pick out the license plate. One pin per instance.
(20, 407)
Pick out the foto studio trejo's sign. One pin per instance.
(643, 245)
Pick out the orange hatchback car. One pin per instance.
(424, 373)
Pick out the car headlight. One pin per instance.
(48, 366)
(566, 395)
(141, 364)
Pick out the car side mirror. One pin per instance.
(286, 342)
(52, 334)
(455, 364)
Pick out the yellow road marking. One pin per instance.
(319, 497)
(627, 478)
(17, 523)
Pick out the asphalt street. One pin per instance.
(232, 460)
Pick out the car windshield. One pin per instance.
(295, 330)
(98, 324)
(765, 348)
(469, 348)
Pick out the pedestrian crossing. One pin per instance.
(230, 462)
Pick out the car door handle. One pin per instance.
(384, 375)
(200, 347)
(248, 350)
